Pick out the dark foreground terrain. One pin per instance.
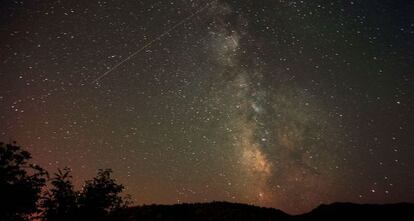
(234, 211)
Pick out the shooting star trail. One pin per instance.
(152, 42)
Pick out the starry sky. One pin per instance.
(277, 103)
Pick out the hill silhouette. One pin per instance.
(235, 211)
(201, 212)
(351, 211)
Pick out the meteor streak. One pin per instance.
(151, 42)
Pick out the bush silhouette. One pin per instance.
(21, 183)
(60, 201)
(101, 197)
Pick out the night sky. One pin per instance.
(278, 103)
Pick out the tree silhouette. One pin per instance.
(101, 197)
(60, 202)
(20, 183)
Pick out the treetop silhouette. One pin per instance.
(23, 194)
(21, 183)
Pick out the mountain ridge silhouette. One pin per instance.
(219, 210)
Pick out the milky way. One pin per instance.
(285, 104)
(278, 138)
